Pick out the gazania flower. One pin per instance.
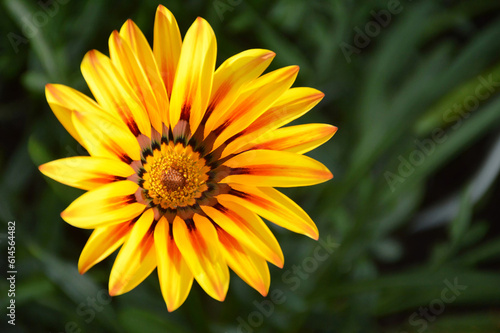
(184, 159)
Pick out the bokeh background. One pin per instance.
(409, 224)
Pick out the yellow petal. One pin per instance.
(294, 103)
(140, 46)
(103, 138)
(193, 78)
(167, 46)
(247, 228)
(200, 248)
(129, 67)
(109, 204)
(113, 93)
(175, 277)
(251, 268)
(86, 172)
(271, 168)
(296, 139)
(102, 242)
(230, 77)
(131, 33)
(253, 101)
(273, 206)
(136, 259)
(64, 100)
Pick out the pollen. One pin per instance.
(175, 176)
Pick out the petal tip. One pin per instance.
(115, 288)
(82, 269)
(263, 288)
(91, 54)
(50, 92)
(173, 304)
(116, 38)
(90, 58)
(163, 10)
(290, 72)
(217, 291)
(113, 292)
(279, 262)
(269, 55)
(42, 168)
(294, 69)
(314, 235)
(221, 296)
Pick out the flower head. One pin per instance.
(184, 158)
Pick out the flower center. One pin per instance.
(174, 176)
(173, 180)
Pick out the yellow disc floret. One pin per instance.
(174, 176)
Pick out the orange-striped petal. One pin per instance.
(294, 103)
(275, 169)
(102, 242)
(136, 259)
(230, 77)
(253, 101)
(251, 268)
(247, 228)
(64, 100)
(296, 139)
(193, 78)
(273, 206)
(166, 46)
(175, 277)
(129, 67)
(86, 172)
(140, 46)
(104, 138)
(113, 93)
(198, 242)
(109, 204)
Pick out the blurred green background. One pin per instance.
(412, 211)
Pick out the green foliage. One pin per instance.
(411, 210)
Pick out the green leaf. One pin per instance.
(460, 224)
